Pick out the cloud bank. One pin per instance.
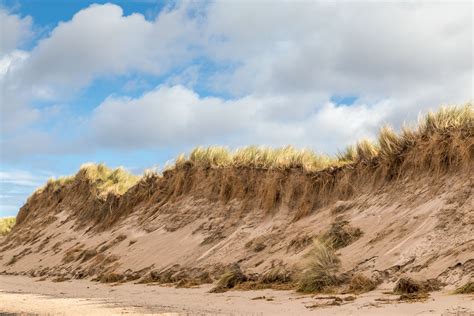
(265, 73)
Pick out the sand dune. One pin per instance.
(401, 209)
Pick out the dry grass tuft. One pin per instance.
(361, 284)
(277, 274)
(108, 180)
(229, 279)
(111, 277)
(6, 225)
(388, 147)
(117, 180)
(411, 286)
(390, 144)
(366, 150)
(448, 118)
(321, 268)
(407, 286)
(467, 288)
(256, 157)
(341, 234)
(55, 185)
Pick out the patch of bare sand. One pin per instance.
(20, 294)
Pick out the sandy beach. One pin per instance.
(20, 294)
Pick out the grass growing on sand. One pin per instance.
(341, 234)
(108, 180)
(388, 146)
(256, 157)
(229, 279)
(6, 225)
(321, 268)
(452, 128)
(361, 284)
(467, 288)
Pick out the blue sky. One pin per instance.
(134, 83)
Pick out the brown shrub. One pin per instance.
(361, 284)
(111, 277)
(341, 234)
(229, 279)
(278, 274)
(410, 286)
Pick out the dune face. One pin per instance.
(404, 210)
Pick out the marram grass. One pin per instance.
(117, 180)
(6, 225)
(388, 146)
(257, 157)
(109, 180)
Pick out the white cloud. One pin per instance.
(14, 31)
(368, 48)
(166, 116)
(174, 116)
(101, 41)
(281, 61)
(97, 41)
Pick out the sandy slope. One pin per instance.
(78, 297)
(417, 228)
(413, 211)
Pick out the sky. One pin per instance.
(134, 83)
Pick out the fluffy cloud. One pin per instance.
(14, 31)
(101, 41)
(97, 41)
(372, 48)
(175, 115)
(281, 62)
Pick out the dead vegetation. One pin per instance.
(6, 225)
(73, 254)
(467, 288)
(410, 286)
(259, 176)
(299, 243)
(389, 146)
(341, 234)
(361, 284)
(110, 277)
(232, 277)
(321, 270)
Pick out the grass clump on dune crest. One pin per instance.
(256, 157)
(6, 225)
(54, 184)
(389, 146)
(452, 128)
(448, 118)
(109, 180)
